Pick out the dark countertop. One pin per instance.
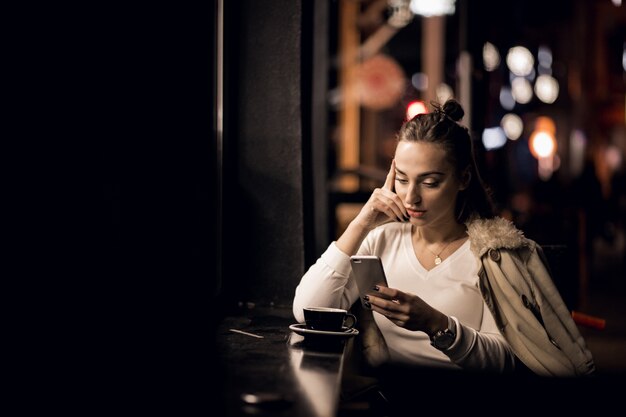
(305, 379)
(300, 377)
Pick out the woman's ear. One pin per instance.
(466, 177)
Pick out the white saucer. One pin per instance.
(303, 331)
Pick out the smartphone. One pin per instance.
(368, 272)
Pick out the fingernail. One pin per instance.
(376, 288)
(366, 297)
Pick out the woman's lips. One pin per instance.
(416, 213)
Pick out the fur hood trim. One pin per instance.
(496, 233)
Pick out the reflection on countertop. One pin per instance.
(268, 370)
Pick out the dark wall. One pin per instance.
(139, 270)
(126, 240)
(147, 128)
(263, 212)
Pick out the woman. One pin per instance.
(466, 289)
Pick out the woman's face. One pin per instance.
(426, 183)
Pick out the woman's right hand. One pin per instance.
(384, 205)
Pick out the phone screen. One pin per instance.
(368, 272)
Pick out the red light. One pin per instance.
(414, 108)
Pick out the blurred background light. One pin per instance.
(493, 138)
(491, 57)
(512, 125)
(613, 156)
(414, 108)
(520, 61)
(544, 56)
(444, 92)
(419, 80)
(401, 14)
(506, 98)
(546, 124)
(428, 8)
(577, 145)
(521, 90)
(547, 166)
(542, 144)
(531, 75)
(380, 82)
(547, 88)
(544, 70)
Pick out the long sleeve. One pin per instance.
(484, 350)
(327, 283)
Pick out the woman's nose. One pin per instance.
(412, 196)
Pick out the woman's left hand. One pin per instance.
(406, 310)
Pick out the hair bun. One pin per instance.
(453, 110)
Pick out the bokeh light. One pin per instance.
(419, 80)
(520, 61)
(444, 92)
(521, 90)
(414, 108)
(613, 156)
(494, 138)
(506, 98)
(577, 146)
(428, 8)
(491, 57)
(544, 56)
(547, 88)
(512, 125)
(542, 144)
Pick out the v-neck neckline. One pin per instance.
(417, 265)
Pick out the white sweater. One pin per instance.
(450, 287)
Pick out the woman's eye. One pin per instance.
(431, 184)
(402, 181)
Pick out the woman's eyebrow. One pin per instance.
(424, 174)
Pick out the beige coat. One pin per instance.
(518, 289)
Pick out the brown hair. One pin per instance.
(441, 127)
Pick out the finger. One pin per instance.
(390, 306)
(398, 203)
(393, 212)
(384, 206)
(391, 194)
(382, 311)
(391, 176)
(396, 318)
(391, 201)
(389, 293)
